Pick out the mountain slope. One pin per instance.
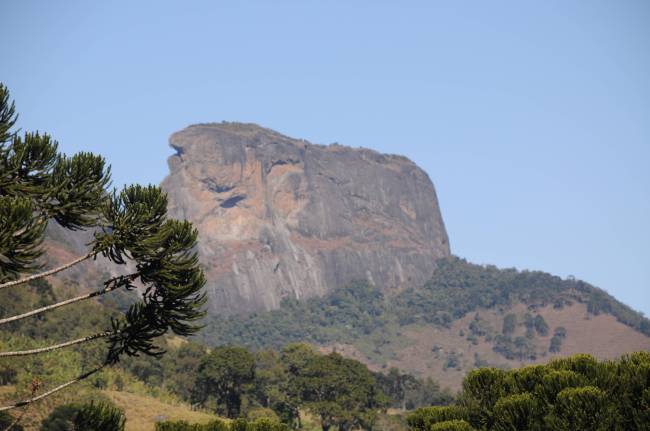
(454, 323)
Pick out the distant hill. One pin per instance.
(465, 317)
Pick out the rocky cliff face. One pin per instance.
(282, 218)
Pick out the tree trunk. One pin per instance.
(326, 423)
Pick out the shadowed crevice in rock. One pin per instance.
(231, 202)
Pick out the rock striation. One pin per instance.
(283, 218)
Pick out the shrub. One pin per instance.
(540, 325)
(215, 425)
(99, 417)
(453, 425)
(6, 420)
(509, 324)
(560, 331)
(61, 418)
(424, 417)
(93, 416)
(266, 424)
(556, 344)
(239, 425)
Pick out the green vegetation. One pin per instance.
(282, 384)
(7, 420)
(407, 392)
(359, 314)
(91, 416)
(509, 324)
(263, 389)
(38, 186)
(222, 374)
(556, 341)
(577, 393)
(342, 392)
(217, 425)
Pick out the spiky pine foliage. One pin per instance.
(39, 185)
(166, 265)
(99, 417)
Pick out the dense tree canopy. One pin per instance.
(222, 374)
(341, 391)
(577, 393)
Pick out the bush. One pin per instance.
(6, 420)
(266, 424)
(215, 425)
(454, 425)
(61, 418)
(93, 416)
(239, 425)
(509, 324)
(99, 417)
(263, 424)
(423, 418)
(556, 344)
(540, 325)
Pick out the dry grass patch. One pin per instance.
(143, 412)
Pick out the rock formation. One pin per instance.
(282, 218)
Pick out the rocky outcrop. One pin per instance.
(282, 218)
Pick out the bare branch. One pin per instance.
(47, 273)
(52, 391)
(56, 346)
(111, 285)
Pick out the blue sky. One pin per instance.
(531, 118)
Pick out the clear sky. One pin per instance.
(532, 118)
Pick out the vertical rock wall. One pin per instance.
(280, 217)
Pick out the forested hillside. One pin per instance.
(502, 316)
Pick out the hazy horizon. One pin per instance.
(532, 120)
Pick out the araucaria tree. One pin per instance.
(39, 185)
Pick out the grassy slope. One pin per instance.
(142, 412)
(601, 335)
